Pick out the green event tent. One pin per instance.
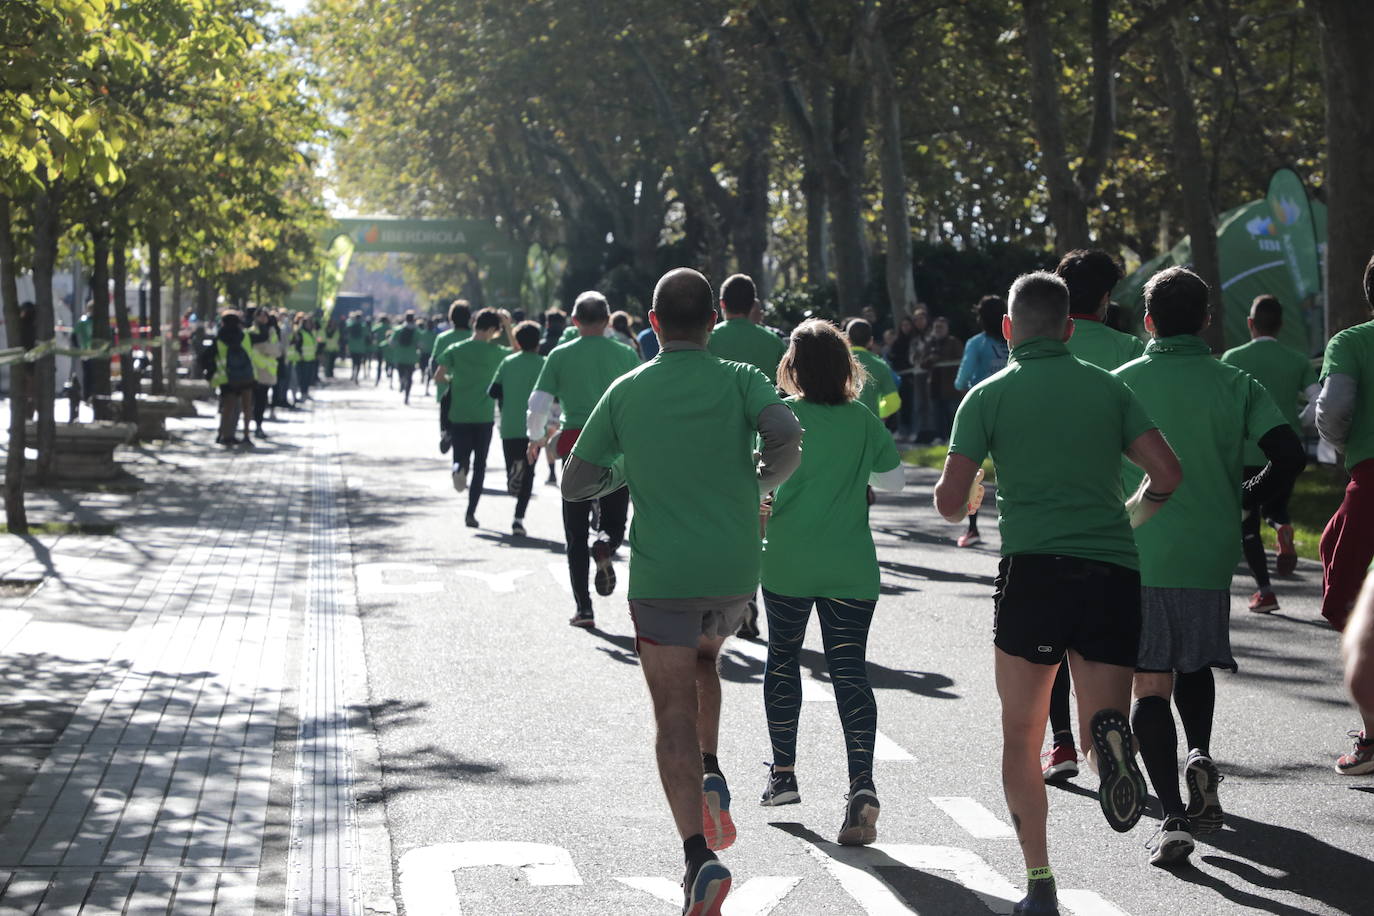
(1270, 246)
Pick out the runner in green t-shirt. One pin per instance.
(356, 341)
(576, 374)
(1345, 419)
(1056, 428)
(468, 367)
(459, 317)
(738, 338)
(511, 387)
(879, 393)
(403, 352)
(427, 337)
(681, 431)
(1288, 376)
(1207, 410)
(819, 551)
(381, 329)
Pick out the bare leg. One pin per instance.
(1024, 688)
(708, 694)
(1099, 687)
(671, 673)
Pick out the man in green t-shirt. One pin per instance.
(1068, 583)
(738, 338)
(403, 351)
(680, 430)
(468, 368)
(1288, 376)
(576, 374)
(427, 337)
(1208, 411)
(879, 393)
(356, 342)
(1345, 420)
(511, 387)
(459, 330)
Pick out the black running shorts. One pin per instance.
(1045, 605)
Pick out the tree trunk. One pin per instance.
(751, 225)
(16, 518)
(1194, 181)
(128, 381)
(159, 336)
(46, 214)
(901, 282)
(1348, 72)
(817, 230)
(172, 355)
(100, 313)
(844, 184)
(1068, 213)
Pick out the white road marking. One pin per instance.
(974, 818)
(429, 887)
(1088, 903)
(756, 897)
(502, 582)
(559, 571)
(866, 888)
(852, 867)
(404, 579)
(884, 748)
(11, 622)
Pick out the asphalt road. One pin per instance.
(516, 752)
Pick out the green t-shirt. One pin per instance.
(743, 341)
(1206, 410)
(1285, 374)
(682, 429)
(1351, 352)
(569, 333)
(1094, 342)
(356, 337)
(403, 354)
(819, 543)
(879, 384)
(1056, 429)
(578, 373)
(427, 338)
(444, 340)
(516, 375)
(470, 366)
(379, 334)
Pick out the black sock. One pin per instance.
(1060, 724)
(695, 850)
(1195, 695)
(709, 764)
(1253, 549)
(973, 523)
(1153, 723)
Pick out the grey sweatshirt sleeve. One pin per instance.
(583, 480)
(888, 481)
(781, 452)
(1336, 409)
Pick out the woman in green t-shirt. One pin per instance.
(819, 551)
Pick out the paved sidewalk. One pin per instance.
(152, 684)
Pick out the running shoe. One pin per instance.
(749, 629)
(1263, 602)
(781, 789)
(470, 520)
(605, 571)
(1059, 763)
(969, 538)
(445, 443)
(860, 826)
(704, 887)
(1287, 559)
(1041, 899)
(517, 528)
(553, 478)
(715, 812)
(1172, 844)
(1122, 791)
(1204, 805)
(1360, 760)
(460, 479)
(583, 617)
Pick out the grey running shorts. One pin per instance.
(1185, 629)
(683, 621)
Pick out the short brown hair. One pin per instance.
(683, 303)
(819, 365)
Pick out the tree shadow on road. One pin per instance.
(741, 668)
(927, 574)
(622, 648)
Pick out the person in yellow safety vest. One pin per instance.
(235, 375)
(332, 343)
(267, 352)
(306, 343)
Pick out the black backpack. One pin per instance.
(405, 337)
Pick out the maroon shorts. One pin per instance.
(566, 440)
(1347, 546)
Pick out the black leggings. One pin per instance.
(844, 633)
(519, 472)
(470, 444)
(1061, 725)
(404, 374)
(261, 394)
(577, 527)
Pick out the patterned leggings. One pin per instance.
(844, 632)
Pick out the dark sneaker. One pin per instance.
(1059, 763)
(1204, 806)
(470, 520)
(860, 825)
(445, 443)
(1360, 760)
(605, 571)
(1041, 899)
(704, 887)
(517, 528)
(781, 789)
(583, 618)
(715, 812)
(1122, 791)
(1173, 844)
(750, 628)
(552, 479)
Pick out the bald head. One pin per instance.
(683, 305)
